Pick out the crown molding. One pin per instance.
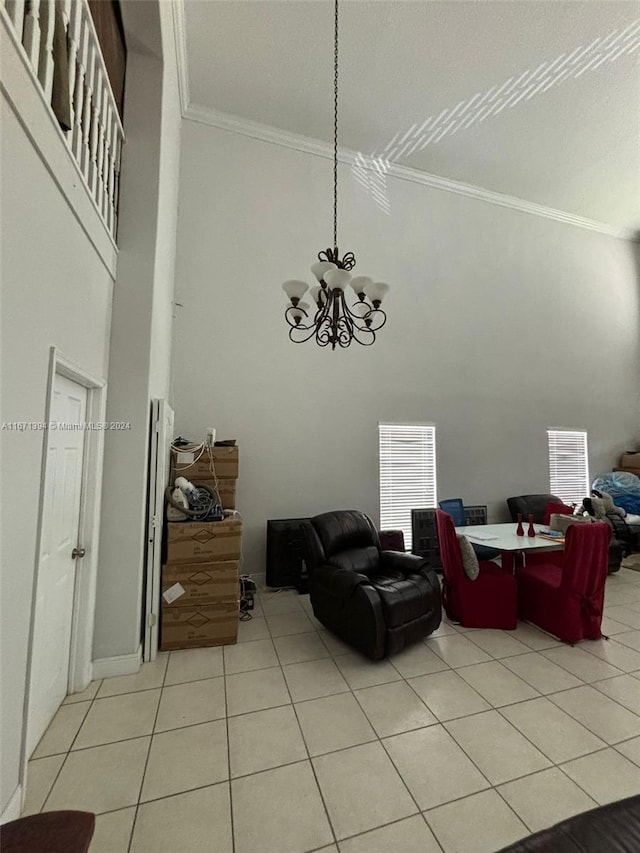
(180, 34)
(308, 145)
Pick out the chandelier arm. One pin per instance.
(350, 331)
(296, 338)
(365, 343)
(375, 315)
(289, 317)
(324, 335)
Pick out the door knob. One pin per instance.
(77, 552)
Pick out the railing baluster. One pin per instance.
(111, 182)
(89, 77)
(15, 9)
(98, 137)
(116, 181)
(108, 168)
(78, 98)
(73, 39)
(102, 154)
(45, 62)
(94, 134)
(31, 36)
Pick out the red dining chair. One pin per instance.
(489, 601)
(565, 597)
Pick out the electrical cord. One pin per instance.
(199, 508)
(200, 449)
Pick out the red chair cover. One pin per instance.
(554, 506)
(566, 597)
(490, 601)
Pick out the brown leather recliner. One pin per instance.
(376, 601)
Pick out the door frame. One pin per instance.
(84, 597)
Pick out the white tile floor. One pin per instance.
(289, 742)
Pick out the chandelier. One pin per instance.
(332, 321)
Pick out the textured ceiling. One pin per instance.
(538, 100)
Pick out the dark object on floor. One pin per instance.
(377, 601)
(536, 505)
(247, 592)
(566, 597)
(285, 553)
(489, 601)
(424, 539)
(614, 828)
(455, 508)
(49, 832)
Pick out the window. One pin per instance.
(407, 473)
(568, 464)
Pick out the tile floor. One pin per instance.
(289, 742)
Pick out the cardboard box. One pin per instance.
(197, 465)
(203, 541)
(630, 460)
(202, 625)
(227, 492)
(201, 583)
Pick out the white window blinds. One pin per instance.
(568, 465)
(407, 473)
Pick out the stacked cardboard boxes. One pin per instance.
(200, 589)
(630, 462)
(213, 463)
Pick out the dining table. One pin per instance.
(504, 538)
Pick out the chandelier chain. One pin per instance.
(335, 130)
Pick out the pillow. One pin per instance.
(554, 506)
(470, 562)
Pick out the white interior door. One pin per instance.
(160, 448)
(57, 564)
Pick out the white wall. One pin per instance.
(58, 268)
(56, 291)
(142, 318)
(501, 324)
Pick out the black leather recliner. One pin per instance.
(376, 601)
(613, 828)
(536, 506)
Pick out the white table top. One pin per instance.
(503, 537)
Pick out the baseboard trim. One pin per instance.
(13, 807)
(121, 665)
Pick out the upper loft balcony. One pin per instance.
(59, 45)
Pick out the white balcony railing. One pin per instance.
(61, 45)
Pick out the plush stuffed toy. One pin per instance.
(600, 504)
(609, 505)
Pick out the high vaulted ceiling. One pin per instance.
(537, 100)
